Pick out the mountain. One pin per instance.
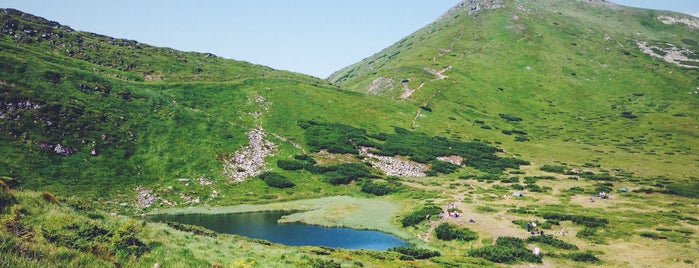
(90, 114)
(594, 81)
(580, 116)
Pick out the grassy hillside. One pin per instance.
(511, 112)
(571, 70)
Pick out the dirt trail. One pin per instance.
(439, 75)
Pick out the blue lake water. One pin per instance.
(264, 225)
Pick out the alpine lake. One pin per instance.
(266, 226)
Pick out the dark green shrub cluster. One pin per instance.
(197, 230)
(276, 180)
(690, 190)
(506, 250)
(323, 263)
(343, 173)
(305, 158)
(599, 177)
(417, 253)
(339, 138)
(521, 138)
(629, 115)
(444, 167)
(514, 131)
(586, 233)
(378, 189)
(418, 216)
(553, 168)
(423, 149)
(583, 257)
(587, 221)
(522, 210)
(510, 118)
(534, 179)
(510, 180)
(552, 241)
(606, 187)
(334, 137)
(446, 231)
(290, 164)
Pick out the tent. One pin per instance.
(517, 193)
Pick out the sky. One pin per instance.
(315, 37)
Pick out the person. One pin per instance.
(534, 226)
(536, 251)
(471, 220)
(441, 215)
(427, 217)
(529, 227)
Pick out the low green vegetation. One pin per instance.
(420, 215)
(276, 180)
(446, 231)
(506, 250)
(416, 253)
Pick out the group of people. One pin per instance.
(451, 212)
(533, 229)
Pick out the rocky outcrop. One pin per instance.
(692, 23)
(670, 53)
(249, 160)
(380, 85)
(393, 166)
(144, 197)
(58, 148)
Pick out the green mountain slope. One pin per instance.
(575, 72)
(89, 114)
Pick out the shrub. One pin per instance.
(586, 221)
(306, 158)
(511, 118)
(510, 180)
(290, 164)
(687, 190)
(345, 173)
(276, 180)
(378, 189)
(444, 167)
(323, 263)
(334, 137)
(553, 168)
(446, 231)
(506, 250)
(417, 253)
(418, 216)
(586, 233)
(583, 257)
(628, 115)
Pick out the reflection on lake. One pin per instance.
(264, 225)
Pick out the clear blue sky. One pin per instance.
(315, 37)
